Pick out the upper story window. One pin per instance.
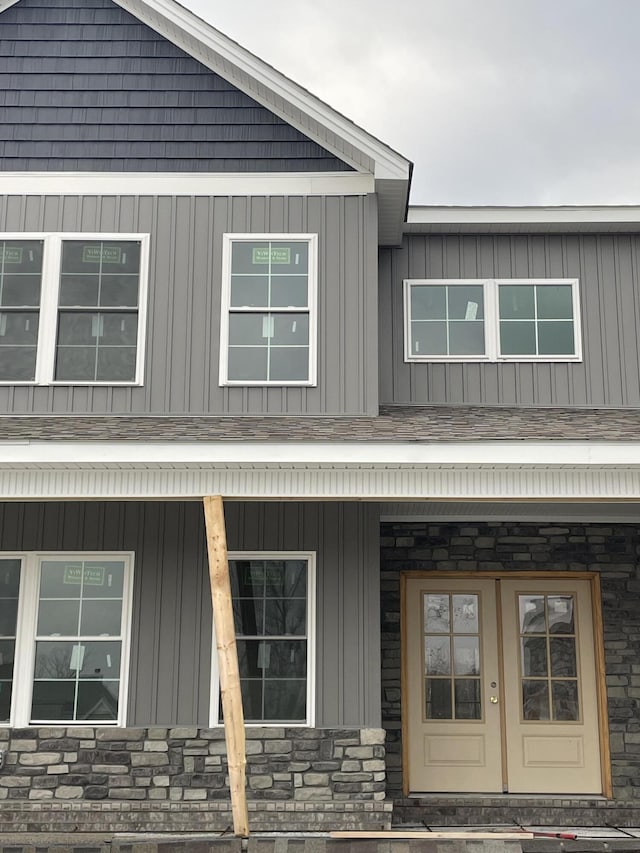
(492, 320)
(65, 622)
(268, 334)
(72, 308)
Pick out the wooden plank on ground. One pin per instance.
(227, 661)
(426, 834)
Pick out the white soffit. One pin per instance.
(561, 219)
(548, 471)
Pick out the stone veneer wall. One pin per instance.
(115, 771)
(612, 550)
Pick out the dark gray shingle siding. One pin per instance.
(85, 86)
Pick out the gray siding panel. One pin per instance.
(182, 352)
(171, 641)
(608, 272)
(90, 88)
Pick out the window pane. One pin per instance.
(467, 697)
(57, 660)
(118, 329)
(60, 579)
(21, 256)
(286, 578)
(556, 338)
(248, 616)
(248, 329)
(285, 699)
(78, 289)
(289, 290)
(76, 364)
(247, 364)
(516, 301)
(100, 256)
(103, 579)
(437, 655)
(251, 700)
(18, 327)
(116, 364)
(9, 578)
(247, 578)
(428, 302)
(242, 257)
(17, 364)
(534, 656)
(285, 616)
(53, 700)
(555, 301)
(8, 616)
(249, 291)
(101, 617)
(58, 617)
(429, 338)
(98, 659)
(517, 338)
(98, 700)
(20, 290)
(119, 291)
(466, 302)
(289, 364)
(466, 338)
(438, 699)
(290, 329)
(535, 700)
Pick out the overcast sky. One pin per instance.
(495, 101)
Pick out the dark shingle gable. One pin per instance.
(85, 86)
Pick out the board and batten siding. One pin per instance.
(184, 301)
(608, 270)
(172, 626)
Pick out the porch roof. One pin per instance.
(394, 424)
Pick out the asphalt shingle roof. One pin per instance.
(395, 423)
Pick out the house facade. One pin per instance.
(423, 423)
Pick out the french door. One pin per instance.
(500, 686)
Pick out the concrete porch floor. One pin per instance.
(603, 839)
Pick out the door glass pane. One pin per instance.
(438, 699)
(465, 614)
(467, 694)
(437, 655)
(9, 589)
(548, 662)
(535, 700)
(466, 653)
(436, 613)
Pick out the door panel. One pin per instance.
(463, 639)
(454, 729)
(552, 732)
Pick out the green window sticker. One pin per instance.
(275, 255)
(106, 254)
(11, 254)
(92, 577)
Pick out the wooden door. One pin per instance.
(500, 686)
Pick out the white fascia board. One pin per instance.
(560, 215)
(536, 454)
(252, 75)
(6, 4)
(186, 184)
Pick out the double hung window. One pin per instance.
(492, 320)
(273, 613)
(72, 308)
(268, 334)
(64, 633)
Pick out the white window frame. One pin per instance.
(310, 557)
(49, 311)
(492, 320)
(25, 650)
(312, 310)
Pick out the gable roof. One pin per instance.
(286, 99)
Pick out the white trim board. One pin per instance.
(561, 219)
(537, 471)
(186, 184)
